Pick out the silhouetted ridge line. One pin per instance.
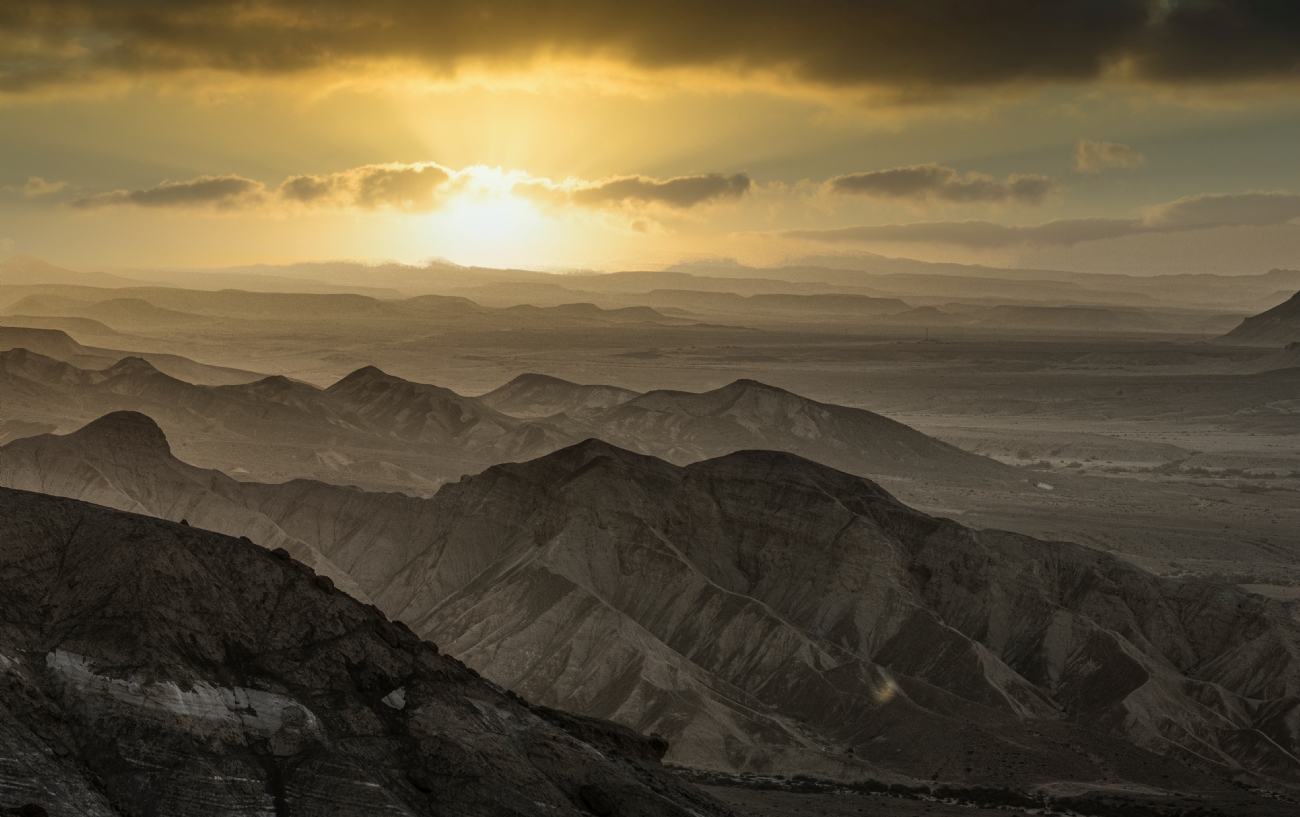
(132, 365)
(363, 374)
(1278, 326)
(130, 431)
(535, 379)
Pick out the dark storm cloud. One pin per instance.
(221, 192)
(899, 43)
(679, 192)
(933, 182)
(1191, 213)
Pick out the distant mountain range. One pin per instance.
(24, 270)
(381, 431)
(800, 291)
(908, 277)
(762, 611)
(59, 345)
(151, 309)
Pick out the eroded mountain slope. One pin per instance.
(123, 461)
(767, 613)
(1275, 327)
(539, 395)
(684, 427)
(151, 668)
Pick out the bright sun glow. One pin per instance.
(479, 229)
(503, 219)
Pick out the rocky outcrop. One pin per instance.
(1275, 327)
(766, 613)
(123, 461)
(49, 342)
(416, 412)
(152, 668)
(538, 395)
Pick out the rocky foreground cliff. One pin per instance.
(767, 614)
(153, 668)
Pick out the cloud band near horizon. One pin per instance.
(932, 182)
(416, 187)
(1189, 213)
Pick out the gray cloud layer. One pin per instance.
(36, 186)
(678, 192)
(221, 192)
(933, 182)
(419, 187)
(412, 187)
(1094, 157)
(910, 45)
(1214, 209)
(681, 191)
(371, 187)
(1191, 213)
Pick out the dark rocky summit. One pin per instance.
(148, 668)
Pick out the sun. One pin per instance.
(499, 218)
(485, 229)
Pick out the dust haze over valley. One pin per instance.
(1172, 447)
(555, 409)
(495, 458)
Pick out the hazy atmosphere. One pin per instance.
(715, 409)
(1124, 135)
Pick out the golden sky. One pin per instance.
(555, 134)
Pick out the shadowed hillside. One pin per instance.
(1276, 327)
(154, 668)
(764, 612)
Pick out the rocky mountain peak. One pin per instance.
(1291, 306)
(746, 384)
(366, 374)
(580, 455)
(532, 379)
(1275, 327)
(125, 431)
(131, 365)
(533, 395)
(17, 356)
(274, 384)
(52, 342)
